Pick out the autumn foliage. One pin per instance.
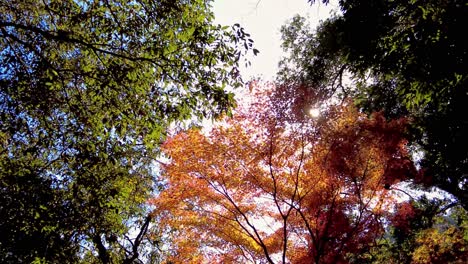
(257, 189)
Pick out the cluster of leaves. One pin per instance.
(405, 58)
(257, 189)
(87, 91)
(425, 231)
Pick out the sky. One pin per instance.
(263, 20)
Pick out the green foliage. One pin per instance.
(405, 58)
(87, 91)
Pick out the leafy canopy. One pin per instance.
(405, 58)
(257, 189)
(87, 91)
(424, 231)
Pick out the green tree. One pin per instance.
(87, 91)
(406, 58)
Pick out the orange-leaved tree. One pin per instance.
(259, 190)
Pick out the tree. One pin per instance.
(424, 231)
(405, 58)
(87, 91)
(257, 189)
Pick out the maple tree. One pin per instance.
(259, 189)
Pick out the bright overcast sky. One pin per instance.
(263, 20)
